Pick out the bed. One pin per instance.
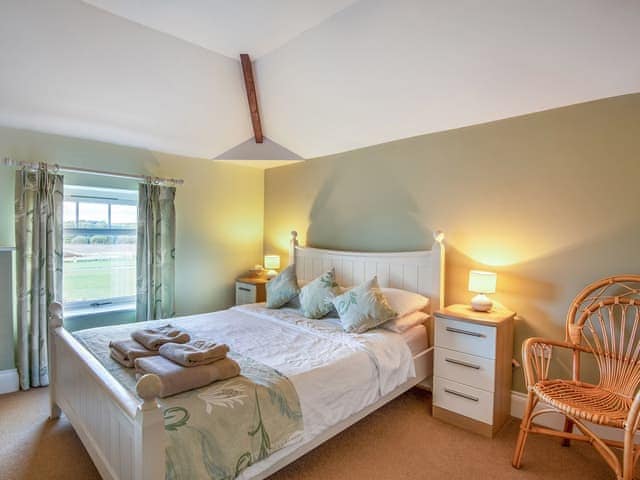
(123, 425)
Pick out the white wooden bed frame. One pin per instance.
(125, 435)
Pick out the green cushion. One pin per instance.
(316, 298)
(363, 307)
(282, 288)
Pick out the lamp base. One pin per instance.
(481, 303)
(271, 273)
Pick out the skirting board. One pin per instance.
(556, 421)
(9, 381)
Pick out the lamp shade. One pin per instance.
(482, 282)
(272, 262)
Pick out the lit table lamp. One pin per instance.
(482, 282)
(271, 264)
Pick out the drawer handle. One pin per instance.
(461, 363)
(464, 332)
(244, 289)
(462, 395)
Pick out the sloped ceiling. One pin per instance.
(384, 70)
(228, 27)
(267, 150)
(331, 76)
(71, 69)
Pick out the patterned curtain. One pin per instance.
(156, 252)
(39, 199)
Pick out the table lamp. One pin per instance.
(482, 282)
(271, 264)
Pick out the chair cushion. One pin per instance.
(585, 401)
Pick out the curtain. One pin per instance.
(156, 252)
(38, 209)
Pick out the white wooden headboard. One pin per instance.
(420, 271)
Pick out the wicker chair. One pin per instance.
(603, 321)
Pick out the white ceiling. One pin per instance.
(229, 27)
(385, 70)
(329, 78)
(72, 69)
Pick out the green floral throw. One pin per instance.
(363, 307)
(282, 288)
(316, 298)
(215, 431)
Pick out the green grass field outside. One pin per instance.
(98, 279)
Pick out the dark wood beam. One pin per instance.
(250, 85)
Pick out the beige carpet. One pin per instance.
(400, 441)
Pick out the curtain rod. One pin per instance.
(8, 162)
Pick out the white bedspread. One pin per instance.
(335, 374)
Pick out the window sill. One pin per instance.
(88, 311)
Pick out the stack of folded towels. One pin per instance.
(181, 363)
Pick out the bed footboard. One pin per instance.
(124, 436)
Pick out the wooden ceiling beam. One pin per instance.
(250, 86)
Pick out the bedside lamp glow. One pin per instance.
(482, 282)
(271, 263)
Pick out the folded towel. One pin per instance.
(176, 379)
(126, 351)
(194, 353)
(153, 338)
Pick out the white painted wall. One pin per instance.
(383, 70)
(72, 69)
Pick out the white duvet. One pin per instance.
(334, 373)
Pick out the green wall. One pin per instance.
(548, 200)
(6, 310)
(219, 209)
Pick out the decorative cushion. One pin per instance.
(403, 301)
(282, 288)
(316, 297)
(294, 303)
(363, 307)
(404, 323)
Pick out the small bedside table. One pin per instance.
(472, 368)
(251, 290)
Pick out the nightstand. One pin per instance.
(472, 368)
(251, 290)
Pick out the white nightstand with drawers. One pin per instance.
(251, 290)
(472, 368)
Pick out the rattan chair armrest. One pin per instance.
(633, 417)
(558, 343)
(535, 361)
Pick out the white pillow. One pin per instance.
(403, 301)
(404, 323)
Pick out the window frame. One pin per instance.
(110, 196)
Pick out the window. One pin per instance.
(99, 267)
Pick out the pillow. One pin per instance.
(316, 298)
(295, 301)
(282, 288)
(363, 307)
(403, 301)
(404, 323)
